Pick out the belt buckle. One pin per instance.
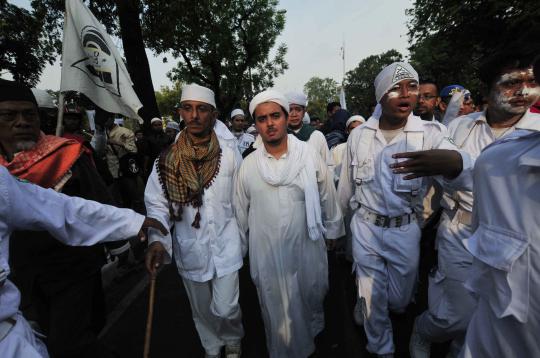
(399, 221)
(382, 221)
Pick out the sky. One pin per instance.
(314, 33)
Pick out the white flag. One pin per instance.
(342, 101)
(92, 65)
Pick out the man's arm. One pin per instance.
(241, 207)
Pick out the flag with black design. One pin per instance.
(92, 65)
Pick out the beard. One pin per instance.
(21, 146)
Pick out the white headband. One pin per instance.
(155, 120)
(298, 98)
(194, 92)
(356, 118)
(392, 74)
(268, 96)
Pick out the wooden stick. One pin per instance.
(150, 316)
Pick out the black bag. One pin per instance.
(129, 165)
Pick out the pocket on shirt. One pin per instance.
(507, 255)
(191, 255)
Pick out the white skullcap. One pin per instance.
(298, 98)
(119, 121)
(194, 92)
(173, 125)
(251, 130)
(155, 119)
(43, 98)
(356, 118)
(392, 74)
(268, 96)
(306, 119)
(237, 112)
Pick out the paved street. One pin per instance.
(174, 333)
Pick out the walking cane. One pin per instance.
(150, 316)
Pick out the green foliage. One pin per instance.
(359, 87)
(320, 91)
(224, 45)
(23, 52)
(449, 39)
(167, 99)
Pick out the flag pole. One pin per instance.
(60, 117)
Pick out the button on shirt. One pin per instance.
(214, 249)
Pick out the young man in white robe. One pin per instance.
(191, 187)
(238, 123)
(285, 198)
(511, 91)
(385, 228)
(71, 220)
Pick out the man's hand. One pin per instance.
(429, 163)
(154, 257)
(153, 223)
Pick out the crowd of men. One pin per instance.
(284, 191)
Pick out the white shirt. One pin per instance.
(73, 221)
(244, 141)
(214, 249)
(371, 183)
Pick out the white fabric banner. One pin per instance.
(92, 65)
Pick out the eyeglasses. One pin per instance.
(426, 97)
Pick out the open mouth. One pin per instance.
(404, 106)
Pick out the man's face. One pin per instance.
(428, 100)
(467, 106)
(353, 125)
(19, 125)
(199, 117)
(296, 114)
(139, 136)
(171, 133)
(316, 123)
(514, 91)
(238, 123)
(72, 123)
(157, 126)
(271, 122)
(332, 111)
(398, 103)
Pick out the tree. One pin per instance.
(449, 39)
(224, 45)
(320, 91)
(167, 99)
(359, 87)
(21, 52)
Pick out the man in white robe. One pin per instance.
(238, 123)
(285, 198)
(191, 187)
(73, 221)
(384, 225)
(451, 305)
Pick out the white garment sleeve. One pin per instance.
(71, 220)
(330, 210)
(157, 207)
(241, 207)
(464, 180)
(346, 184)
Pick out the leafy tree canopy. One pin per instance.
(320, 91)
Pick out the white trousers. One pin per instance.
(451, 305)
(216, 311)
(386, 262)
(21, 342)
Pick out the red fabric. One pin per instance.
(79, 138)
(535, 108)
(47, 163)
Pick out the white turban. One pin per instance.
(155, 119)
(194, 92)
(173, 125)
(306, 119)
(298, 98)
(237, 112)
(392, 74)
(356, 118)
(268, 96)
(119, 121)
(251, 130)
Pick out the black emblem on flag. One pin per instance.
(99, 64)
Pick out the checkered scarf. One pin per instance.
(186, 169)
